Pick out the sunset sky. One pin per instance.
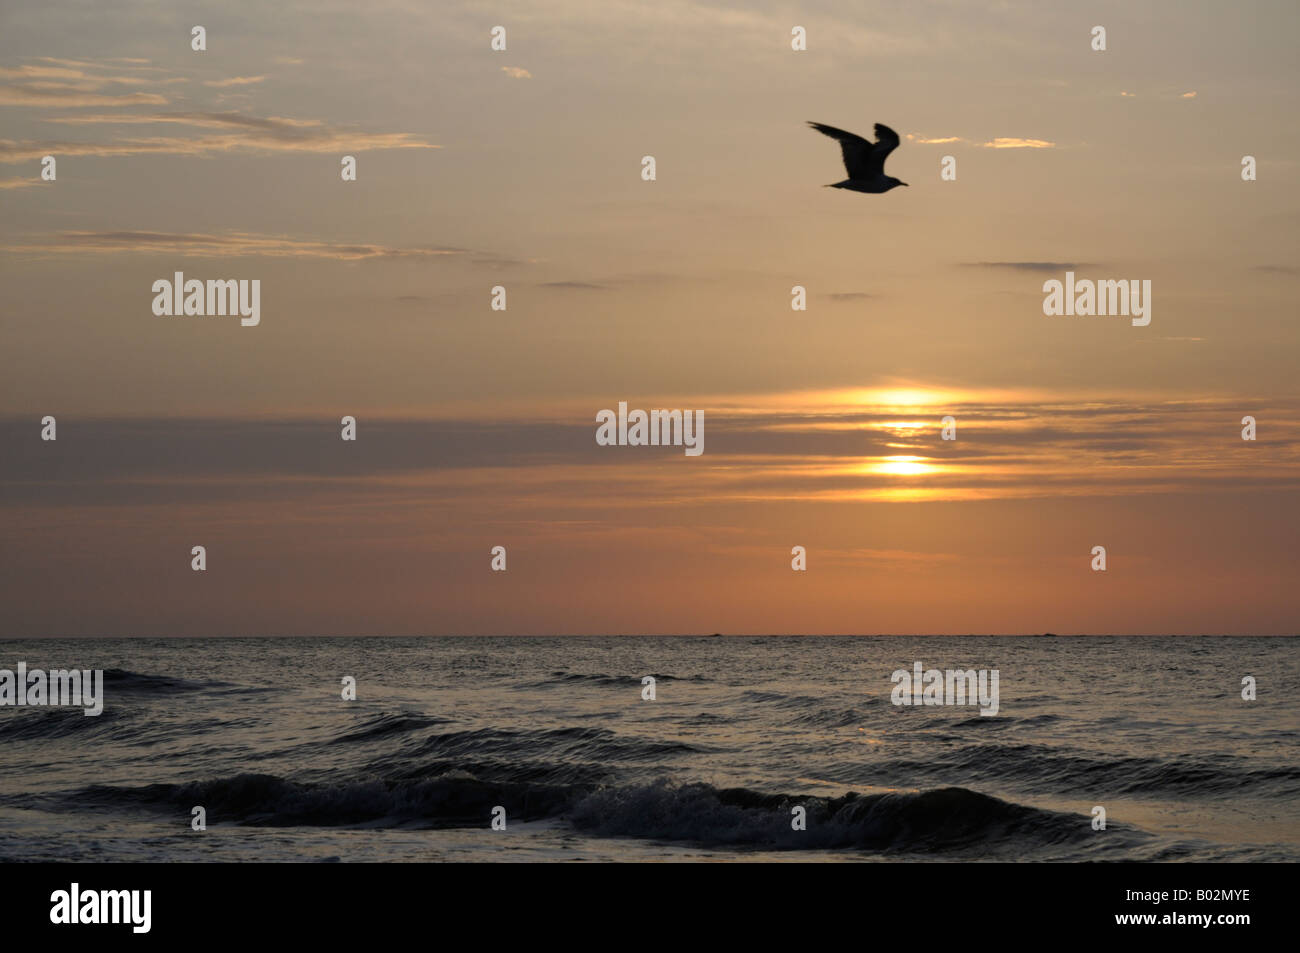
(522, 169)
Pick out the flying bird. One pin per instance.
(864, 160)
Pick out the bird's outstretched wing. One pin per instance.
(887, 142)
(859, 160)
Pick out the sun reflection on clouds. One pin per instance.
(903, 397)
(901, 465)
(904, 427)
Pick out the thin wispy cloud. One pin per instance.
(233, 132)
(66, 72)
(112, 62)
(278, 125)
(233, 244)
(65, 84)
(1030, 265)
(234, 81)
(1005, 142)
(70, 84)
(1013, 143)
(66, 97)
(515, 72)
(1160, 94)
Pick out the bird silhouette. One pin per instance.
(864, 160)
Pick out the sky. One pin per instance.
(522, 168)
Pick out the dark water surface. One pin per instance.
(741, 731)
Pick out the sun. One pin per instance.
(902, 466)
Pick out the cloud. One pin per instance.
(1049, 446)
(849, 295)
(1004, 143)
(1031, 265)
(66, 84)
(18, 183)
(1191, 95)
(232, 132)
(280, 125)
(42, 72)
(515, 72)
(34, 94)
(234, 81)
(581, 285)
(232, 244)
(999, 143)
(132, 63)
(69, 71)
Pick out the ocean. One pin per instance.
(746, 740)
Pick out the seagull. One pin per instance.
(863, 160)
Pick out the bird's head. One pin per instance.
(894, 183)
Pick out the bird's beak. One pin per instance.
(902, 183)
